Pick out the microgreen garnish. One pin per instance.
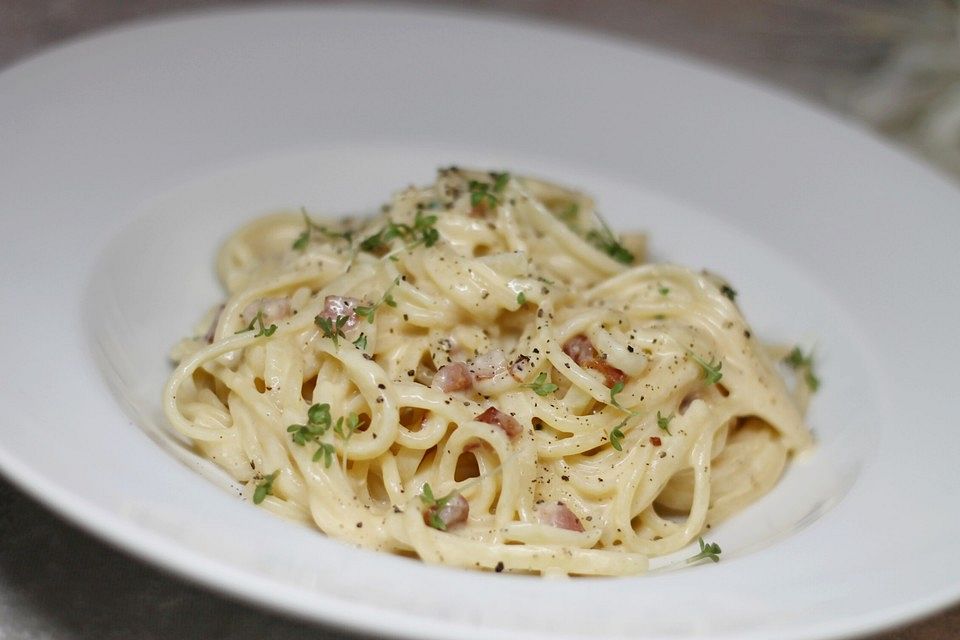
(265, 487)
(542, 385)
(370, 311)
(500, 181)
(614, 390)
(325, 451)
(361, 342)
(708, 551)
(383, 237)
(729, 291)
(434, 505)
(346, 427)
(257, 322)
(481, 196)
(310, 226)
(605, 240)
(319, 422)
(617, 436)
(803, 363)
(521, 298)
(422, 232)
(332, 328)
(570, 214)
(711, 370)
(664, 422)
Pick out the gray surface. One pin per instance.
(57, 582)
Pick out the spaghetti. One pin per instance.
(482, 377)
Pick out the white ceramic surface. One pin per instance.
(128, 157)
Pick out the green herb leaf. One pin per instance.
(424, 231)
(542, 385)
(265, 488)
(605, 240)
(711, 370)
(500, 181)
(436, 521)
(521, 298)
(728, 291)
(803, 363)
(663, 290)
(361, 342)
(302, 240)
(319, 422)
(346, 427)
(481, 197)
(617, 436)
(309, 226)
(369, 312)
(570, 214)
(319, 414)
(326, 452)
(433, 506)
(332, 329)
(614, 390)
(708, 551)
(257, 322)
(426, 495)
(664, 422)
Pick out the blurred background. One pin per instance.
(890, 65)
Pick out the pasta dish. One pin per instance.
(484, 375)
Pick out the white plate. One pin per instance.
(127, 158)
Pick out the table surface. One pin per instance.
(57, 582)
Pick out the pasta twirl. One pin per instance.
(484, 376)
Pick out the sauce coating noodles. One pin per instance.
(482, 376)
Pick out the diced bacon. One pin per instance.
(559, 515)
(453, 377)
(272, 310)
(337, 306)
(582, 351)
(453, 512)
(212, 331)
(489, 364)
(519, 368)
(503, 420)
(611, 375)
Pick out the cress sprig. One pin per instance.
(370, 311)
(606, 241)
(708, 551)
(310, 226)
(542, 385)
(711, 370)
(265, 487)
(332, 327)
(319, 422)
(433, 506)
(421, 232)
(803, 363)
(257, 322)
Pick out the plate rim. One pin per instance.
(106, 525)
